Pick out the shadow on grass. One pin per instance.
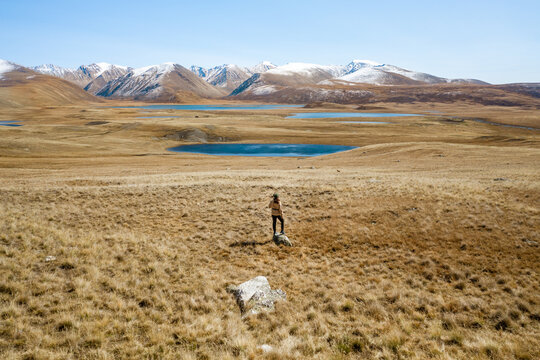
(249, 243)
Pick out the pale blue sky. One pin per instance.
(496, 41)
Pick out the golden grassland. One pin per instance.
(422, 243)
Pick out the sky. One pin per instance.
(495, 41)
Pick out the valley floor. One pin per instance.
(421, 243)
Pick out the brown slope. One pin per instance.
(23, 87)
(183, 81)
(365, 94)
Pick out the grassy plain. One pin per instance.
(421, 243)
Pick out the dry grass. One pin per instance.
(428, 257)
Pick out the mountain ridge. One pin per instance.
(158, 83)
(359, 81)
(103, 79)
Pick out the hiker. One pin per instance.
(277, 213)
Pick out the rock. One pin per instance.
(255, 296)
(530, 242)
(50, 258)
(265, 348)
(282, 239)
(500, 179)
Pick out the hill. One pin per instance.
(22, 87)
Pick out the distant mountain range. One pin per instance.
(358, 82)
(162, 82)
(353, 74)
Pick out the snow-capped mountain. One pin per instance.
(262, 67)
(102, 74)
(51, 69)
(230, 76)
(165, 80)
(308, 73)
(292, 74)
(84, 74)
(227, 76)
(370, 72)
(369, 75)
(158, 82)
(360, 64)
(355, 72)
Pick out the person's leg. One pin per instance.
(282, 223)
(274, 220)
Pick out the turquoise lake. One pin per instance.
(281, 150)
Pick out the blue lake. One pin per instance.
(12, 123)
(262, 149)
(210, 107)
(333, 115)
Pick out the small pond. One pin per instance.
(210, 107)
(12, 123)
(333, 115)
(262, 149)
(505, 125)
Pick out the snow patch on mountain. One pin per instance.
(365, 62)
(154, 69)
(103, 66)
(262, 67)
(418, 76)
(306, 69)
(6, 66)
(360, 64)
(368, 75)
(264, 90)
(51, 69)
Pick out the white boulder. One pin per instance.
(255, 295)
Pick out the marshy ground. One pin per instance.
(422, 243)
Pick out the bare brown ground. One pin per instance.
(422, 243)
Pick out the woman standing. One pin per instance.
(277, 213)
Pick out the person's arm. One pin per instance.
(280, 208)
(270, 205)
